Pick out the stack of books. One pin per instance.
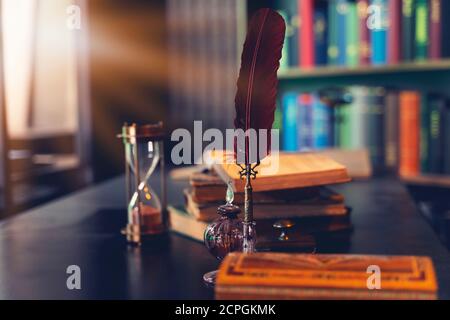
(363, 32)
(297, 192)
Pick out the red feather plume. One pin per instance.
(255, 100)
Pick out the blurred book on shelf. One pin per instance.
(304, 276)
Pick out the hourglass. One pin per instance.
(144, 152)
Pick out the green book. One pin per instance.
(436, 136)
(284, 62)
(421, 34)
(352, 29)
(345, 126)
(333, 49)
(424, 134)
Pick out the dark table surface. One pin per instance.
(83, 229)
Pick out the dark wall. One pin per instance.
(128, 73)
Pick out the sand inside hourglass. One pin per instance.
(150, 219)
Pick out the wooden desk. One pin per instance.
(83, 229)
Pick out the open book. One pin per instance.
(287, 171)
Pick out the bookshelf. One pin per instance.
(441, 181)
(422, 74)
(432, 76)
(410, 68)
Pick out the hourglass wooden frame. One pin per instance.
(132, 136)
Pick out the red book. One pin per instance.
(394, 31)
(409, 133)
(435, 29)
(306, 34)
(364, 32)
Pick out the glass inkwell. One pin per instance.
(225, 234)
(144, 152)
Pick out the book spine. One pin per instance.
(321, 28)
(352, 29)
(358, 116)
(321, 124)
(435, 29)
(333, 34)
(424, 135)
(409, 133)
(342, 13)
(284, 62)
(447, 138)
(378, 26)
(375, 127)
(391, 132)
(306, 34)
(305, 122)
(364, 33)
(292, 30)
(445, 22)
(345, 134)
(437, 114)
(408, 27)
(394, 31)
(290, 126)
(421, 30)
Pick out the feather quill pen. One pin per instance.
(255, 100)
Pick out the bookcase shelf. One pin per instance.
(428, 180)
(402, 68)
(431, 76)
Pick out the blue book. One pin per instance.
(342, 12)
(321, 124)
(321, 32)
(290, 125)
(378, 24)
(305, 122)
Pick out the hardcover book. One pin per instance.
(352, 29)
(323, 205)
(208, 187)
(289, 171)
(306, 34)
(333, 34)
(447, 138)
(409, 133)
(321, 124)
(364, 33)
(421, 31)
(394, 31)
(379, 32)
(321, 28)
(290, 121)
(342, 9)
(375, 127)
(436, 117)
(187, 225)
(391, 131)
(292, 20)
(424, 130)
(435, 50)
(305, 122)
(408, 29)
(318, 276)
